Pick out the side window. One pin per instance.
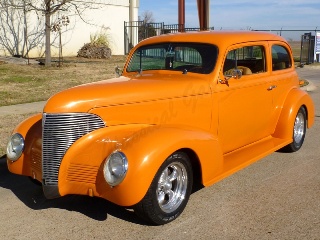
(249, 60)
(280, 58)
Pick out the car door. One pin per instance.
(283, 76)
(244, 103)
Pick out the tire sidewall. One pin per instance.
(297, 145)
(159, 213)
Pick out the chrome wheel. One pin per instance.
(299, 131)
(172, 187)
(169, 191)
(299, 127)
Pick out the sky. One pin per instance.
(241, 14)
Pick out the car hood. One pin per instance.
(125, 90)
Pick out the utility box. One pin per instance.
(307, 53)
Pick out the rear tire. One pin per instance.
(299, 131)
(169, 191)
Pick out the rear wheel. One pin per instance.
(169, 191)
(299, 131)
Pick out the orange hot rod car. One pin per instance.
(187, 108)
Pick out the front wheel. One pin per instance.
(169, 191)
(299, 131)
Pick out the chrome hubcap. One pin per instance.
(298, 130)
(172, 187)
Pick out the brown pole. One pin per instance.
(203, 12)
(181, 15)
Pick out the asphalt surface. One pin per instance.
(277, 197)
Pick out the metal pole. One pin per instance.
(181, 15)
(131, 22)
(203, 12)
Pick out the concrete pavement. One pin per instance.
(312, 74)
(22, 108)
(275, 198)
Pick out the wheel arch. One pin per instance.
(146, 148)
(296, 99)
(196, 167)
(154, 146)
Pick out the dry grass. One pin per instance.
(296, 49)
(30, 83)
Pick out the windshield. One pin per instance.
(185, 57)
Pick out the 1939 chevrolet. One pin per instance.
(188, 108)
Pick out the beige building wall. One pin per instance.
(110, 17)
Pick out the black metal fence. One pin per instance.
(301, 40)
(136, 31)
(185, 55)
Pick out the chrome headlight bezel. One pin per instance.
(115, 168)
(15, 147)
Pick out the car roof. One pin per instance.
(219, 38)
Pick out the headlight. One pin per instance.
(115, 168)
(15, 147)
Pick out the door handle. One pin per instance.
(271, 87)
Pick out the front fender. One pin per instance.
(81, 168)
(146, 147)
(29, 162)
(295, 99)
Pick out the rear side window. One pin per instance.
(280, 58)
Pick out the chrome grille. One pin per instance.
(60, 131)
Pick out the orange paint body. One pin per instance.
(226, 124)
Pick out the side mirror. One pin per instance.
(235, 73)
(118, 71)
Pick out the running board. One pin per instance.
(243, 157)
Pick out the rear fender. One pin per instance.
(295, 99)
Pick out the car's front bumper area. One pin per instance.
(80, 169)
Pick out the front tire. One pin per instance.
(169, 191)
(299, 131)
(35, 182)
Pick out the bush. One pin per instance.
(97, 48)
